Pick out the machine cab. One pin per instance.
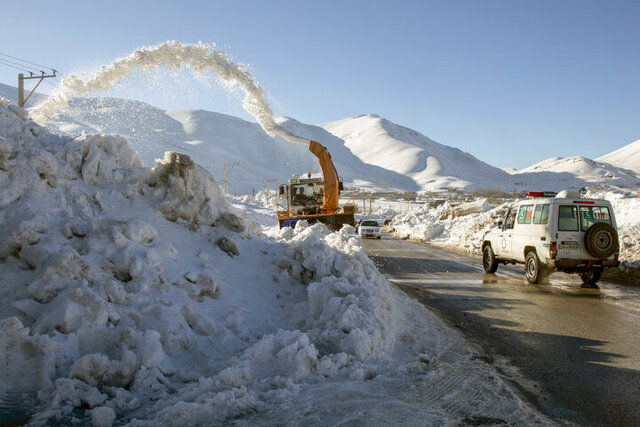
(304, 195)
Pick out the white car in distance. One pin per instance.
(369, 229)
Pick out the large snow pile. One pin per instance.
(441, 225)
(140, 295)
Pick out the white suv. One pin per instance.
(369, 228)
(550, 232)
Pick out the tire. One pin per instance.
(601, 240)
(590, 277)
(379, 237)
(489, 261)
(532, 268)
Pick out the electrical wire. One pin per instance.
(25, 61)
(28, 69)
(52, 84)
(9, 65)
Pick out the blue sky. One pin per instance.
(512, 82)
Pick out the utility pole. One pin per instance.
(267, 181)
(224, 168)
(22, 78)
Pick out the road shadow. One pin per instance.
(405, 266)
(567, 377)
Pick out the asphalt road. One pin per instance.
(573, 352)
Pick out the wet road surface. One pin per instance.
(571, 351)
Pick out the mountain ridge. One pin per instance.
(370, 152)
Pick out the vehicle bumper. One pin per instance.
(578, 265)
(370, 235)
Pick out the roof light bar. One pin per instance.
(540, 194)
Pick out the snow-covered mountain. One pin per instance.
(575, 172)
(11, 93)
(627, 157)
(370, 152)
(431, 165)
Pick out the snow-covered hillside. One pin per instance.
(627, 157)
(431, 165)
(370, 152)
(560, 173)
(140, 295)
(11, 93)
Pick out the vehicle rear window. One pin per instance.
(568, 218)
(590, 215)
(369, 223)
(525, 214)
(541, 214)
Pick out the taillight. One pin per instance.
(616, 254)
(553, 250)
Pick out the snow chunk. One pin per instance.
(189, 192)
(102, 416)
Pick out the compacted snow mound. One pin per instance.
(441, 226)
(141, 294)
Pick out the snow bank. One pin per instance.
(141, 295)
(441, 226)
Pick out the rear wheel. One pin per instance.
(489, 261)
(590, 277)
(532, 268)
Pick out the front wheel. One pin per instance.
(590, 277)
(489, 261)
(532, 268)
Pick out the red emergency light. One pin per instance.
(540, 194)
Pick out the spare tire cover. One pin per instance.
(601, 240)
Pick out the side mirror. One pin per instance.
(282, 191)
(500, 224)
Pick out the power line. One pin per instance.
(25, 61)
(23, 67)
(52, 84)
(9, 65)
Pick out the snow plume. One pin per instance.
(174, 55)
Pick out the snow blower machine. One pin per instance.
(316, 199)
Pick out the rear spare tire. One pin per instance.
(601, 240)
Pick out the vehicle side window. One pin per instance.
(509, 219)
(525, 214)
(541, 214)
(567, 218)
(590, 215)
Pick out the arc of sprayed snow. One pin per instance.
(174, 55)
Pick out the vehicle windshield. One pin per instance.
(369, 224)
(306, 195)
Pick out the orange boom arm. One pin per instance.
(331, 190)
